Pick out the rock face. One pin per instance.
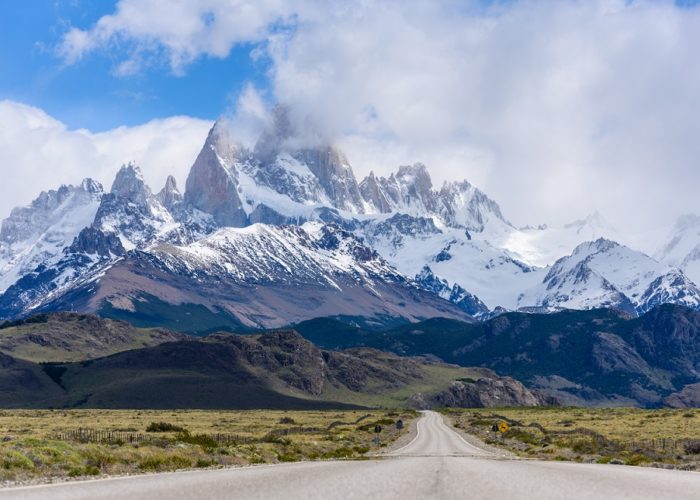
(688, 397)
(37, 234)
(92, 241)
(456, 294)
(170, 197)
(212, 185)
(487, 391)
(131, 211)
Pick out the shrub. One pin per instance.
(15, 460)
(288, 457)
(287, 420)
(522, 436)
(205, 441)
(168, 462)
(637, 459)
(164, 427)
(692, 447)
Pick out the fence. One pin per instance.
(117, 437)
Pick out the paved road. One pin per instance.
(438, 463)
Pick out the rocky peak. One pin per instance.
(91, 186)
(463, 205)
(373, 194)
(212, 184)
(48, 209)
(415, 176)
(598, 246)
(93, 241)
(129, 185)
(170, 196)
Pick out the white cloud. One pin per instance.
(181, 30)
(555, 108)
(40, 153)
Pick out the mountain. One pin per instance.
(406, 250)
(603, 273)
(277, 369)
(37, 234)
(258, 276)
(580, 358)
(63, 337)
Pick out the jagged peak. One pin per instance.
(596, 246)
(170, 185)
(415, 174)
(129, 184)
(91, 186)
(457, 186)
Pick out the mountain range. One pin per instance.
(281, 232)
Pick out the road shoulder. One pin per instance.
(474, 441)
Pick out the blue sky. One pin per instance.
(555, 108)
(88, 94)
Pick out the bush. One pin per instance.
(637, 459)
(164, 427)
(15, 460)
(288, 457)
(287, 420)
(692, 447)
(522, 436)
(203, 440)
(168, 462)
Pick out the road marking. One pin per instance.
(470, 445)
(414, 439)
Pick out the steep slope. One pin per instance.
(75, 337)
(259, 276)
(37, 234)
(277, 369)
(492, 275)
(606, 274)
(597, 357)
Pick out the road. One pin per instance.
(438, 463)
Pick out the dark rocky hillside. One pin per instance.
(597, 357)
(277, 369)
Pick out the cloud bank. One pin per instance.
(40, 153)
(554, 108)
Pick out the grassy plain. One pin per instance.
(664, 438)
(40, 445)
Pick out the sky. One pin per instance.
(554, 108)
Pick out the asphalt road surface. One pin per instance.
(438, 463)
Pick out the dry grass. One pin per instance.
(30, 449)
(630, 436)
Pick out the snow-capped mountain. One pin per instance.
(258, 276)
(38, 233)
(254, 224)
(682, 249)
(603, 273)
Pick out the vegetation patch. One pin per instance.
(661, 438)
(47, 444)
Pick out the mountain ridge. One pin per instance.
(477, 260)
